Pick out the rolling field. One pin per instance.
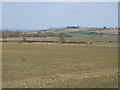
(87, 38)
(39, 65)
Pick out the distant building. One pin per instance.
(72, 27)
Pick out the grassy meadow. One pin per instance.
(85, 38)
(42, 65)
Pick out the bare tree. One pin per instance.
(62, 37)
(4, 36)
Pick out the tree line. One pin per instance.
(8, 34)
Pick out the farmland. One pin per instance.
(71, 35)
(59, 44)
(45, 65)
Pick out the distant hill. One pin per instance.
(55, 32)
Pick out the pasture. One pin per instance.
(85, 38)
(40, 65)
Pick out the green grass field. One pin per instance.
(59, 66)
(86, 38)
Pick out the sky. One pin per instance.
(44, 15)
(0, 15)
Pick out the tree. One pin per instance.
(62, 37)
(104, 27)
(101, 34)
(24, 39)
(4, 35)
(18, 33)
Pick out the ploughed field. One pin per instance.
(40, 65)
